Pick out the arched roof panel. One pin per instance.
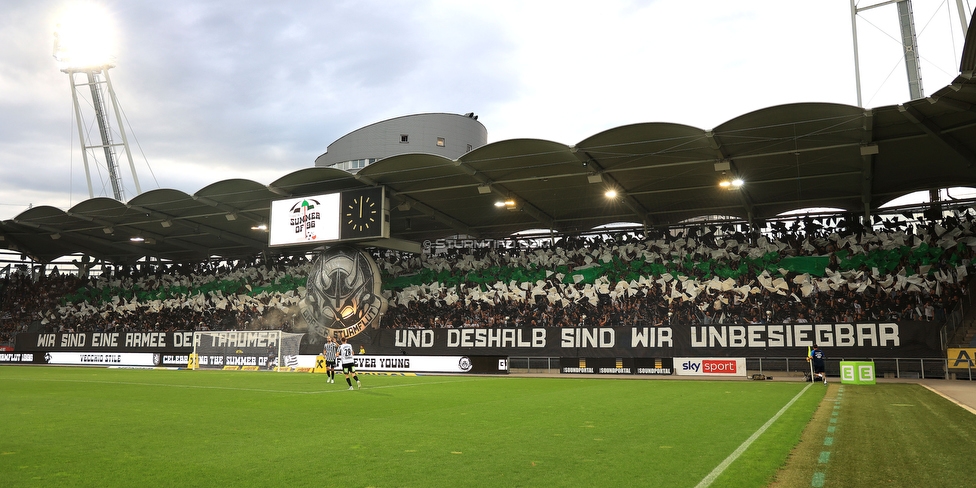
(521, 159)
(313, 181)
(415, 172)
(791, 157)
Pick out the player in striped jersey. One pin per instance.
(329, 350)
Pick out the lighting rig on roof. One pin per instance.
(729, 179)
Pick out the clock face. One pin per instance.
(360, 214)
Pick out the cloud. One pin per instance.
(215, 89)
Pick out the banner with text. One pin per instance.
(891, 339)
(885, 339)
(105, 341)
(433, 364)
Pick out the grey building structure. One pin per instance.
(447, 135)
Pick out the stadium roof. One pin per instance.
(790, 157)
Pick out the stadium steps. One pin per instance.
(965, 335)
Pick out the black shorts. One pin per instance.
(349, 368)
(818, 366)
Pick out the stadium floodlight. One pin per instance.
(733, 183)
(84, 38)
(509, 204)
(611, 194)
(85, 49)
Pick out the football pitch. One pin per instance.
(118, 427)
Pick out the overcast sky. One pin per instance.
(216, 89)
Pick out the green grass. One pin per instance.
(103, 427)
(900, 435)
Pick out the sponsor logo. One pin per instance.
(614, 371)
(577, 370)
(712, 366)
(716, 366)
(465, 364)
(961, 357)
(653, 370)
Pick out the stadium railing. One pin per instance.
(921, 368)
(957, 317)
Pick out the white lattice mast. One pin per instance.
(909, 40)
(83, 47)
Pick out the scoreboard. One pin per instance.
(351, 215)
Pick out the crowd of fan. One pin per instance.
(856, 295)
(249, 294)
(45, 304)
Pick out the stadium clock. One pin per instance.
(361, 213)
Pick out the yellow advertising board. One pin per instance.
(961, 358)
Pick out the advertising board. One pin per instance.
(710, 366)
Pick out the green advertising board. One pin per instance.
(857, 372)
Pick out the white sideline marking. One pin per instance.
(262, 390)
(947, 397)
(748, 442)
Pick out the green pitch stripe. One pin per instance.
(748, 442)
(818, 480)
(819, 477)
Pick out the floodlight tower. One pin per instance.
(909, 40)
(83, 49)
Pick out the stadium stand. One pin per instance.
(796, 272)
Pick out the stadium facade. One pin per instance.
(442, 134)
